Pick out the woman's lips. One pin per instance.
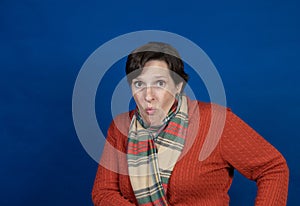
(150, 111)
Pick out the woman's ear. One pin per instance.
(179, 87)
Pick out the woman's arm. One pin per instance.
(256, 159)
(106, 189)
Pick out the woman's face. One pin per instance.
(154, 91)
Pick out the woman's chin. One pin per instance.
(155, 122)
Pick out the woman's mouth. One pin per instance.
(150, 111)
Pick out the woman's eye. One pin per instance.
(161, 83)
(138, 84)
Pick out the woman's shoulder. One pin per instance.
(122, 121)
(124, 117)
(204, 107)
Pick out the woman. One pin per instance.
(153, 154)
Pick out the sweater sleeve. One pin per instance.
(258, 160)
(106, 189)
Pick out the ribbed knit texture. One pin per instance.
(193, 181)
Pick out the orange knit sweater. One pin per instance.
(195, 180)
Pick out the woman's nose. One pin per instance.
(149, 94)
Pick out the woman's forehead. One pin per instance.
(154, 72)
(157, 63)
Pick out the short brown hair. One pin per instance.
(137, 59)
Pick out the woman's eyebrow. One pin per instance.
(136, 79)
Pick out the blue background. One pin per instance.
(253, 44)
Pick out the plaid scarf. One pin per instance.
(153, 152)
